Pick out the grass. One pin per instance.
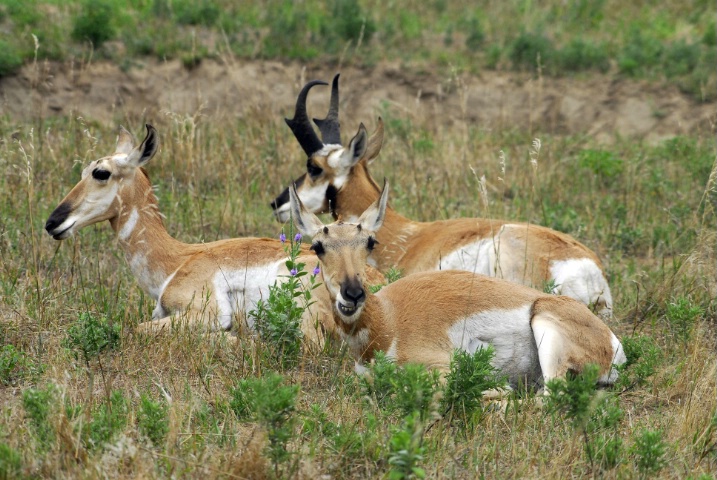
(82, 394)
(658, 41)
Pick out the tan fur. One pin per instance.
(416, 313)
(524, 252)
(194, 267)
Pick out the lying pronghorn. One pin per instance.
(424, 317)
(338, 180)
(211, 282)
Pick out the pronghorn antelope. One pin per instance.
(424, 317)
(337, 180)
(210, 282)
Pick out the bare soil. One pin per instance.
(599, 106)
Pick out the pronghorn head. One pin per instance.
(343, 249)
(95, 198)
(329, 164)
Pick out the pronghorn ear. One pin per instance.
(306, 222)
(375, 142)
(125, 141)
(146, 150)
(372, 219)
(356, 149)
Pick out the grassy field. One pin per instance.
(83, 395)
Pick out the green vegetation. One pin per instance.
(661, 41)
(84, 392)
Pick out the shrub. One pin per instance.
(642, 360)
(203, 12)
(91, 336)
(603, 163)
(272, 404)
(94, 22)
(153, 422)
(640, 52)
(108, 419)
(682, 315)
(650, 450)
(10, 59)
(13, 364)
(470, 375)
(10, 462)
(278, 319)
(528, 47)
(579, 55)
(38, 404)
(406, 450)
(404, 389)
(350, 22)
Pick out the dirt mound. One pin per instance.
(599, 106)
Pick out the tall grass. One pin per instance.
(80, 401)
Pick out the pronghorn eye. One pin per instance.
(99, 174)
(371, 243)
(318, 248)
(313, 169)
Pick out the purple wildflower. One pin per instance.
(282, 237)
(297, 238)
(316, 270)
(293, 272)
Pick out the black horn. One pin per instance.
(300, 124)
(330, 126)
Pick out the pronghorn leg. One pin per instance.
(186, 319)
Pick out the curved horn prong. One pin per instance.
(330, 126)
(300, 124)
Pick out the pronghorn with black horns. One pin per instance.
(337, 180)
(424, 317)
(212, 283)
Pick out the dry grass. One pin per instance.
(215, 179)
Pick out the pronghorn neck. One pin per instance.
(373, 330)
(153, 255)
(354, 197)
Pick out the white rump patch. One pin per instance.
(583, 280)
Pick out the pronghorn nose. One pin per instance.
(58, 216)
(353, 293)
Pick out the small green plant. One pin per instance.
(203, 12)
(94, 22)
(643, 357)
(579, 55)
(10, 58)
(404, 389)
(603, 163)
(271, 403)
(470, 375)
(38, 404)
(682, 315)
(89, 336)
(108, 419)
(406, 449)
(529, 50)
(650, 452)
(10, 462)
(153, 422)
(596, 415)
(14, 364)
(278, 318)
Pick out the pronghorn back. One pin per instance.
(424, 317)
(337, 180)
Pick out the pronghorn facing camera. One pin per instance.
(210, 282)
(424, 317)
(337, 180)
